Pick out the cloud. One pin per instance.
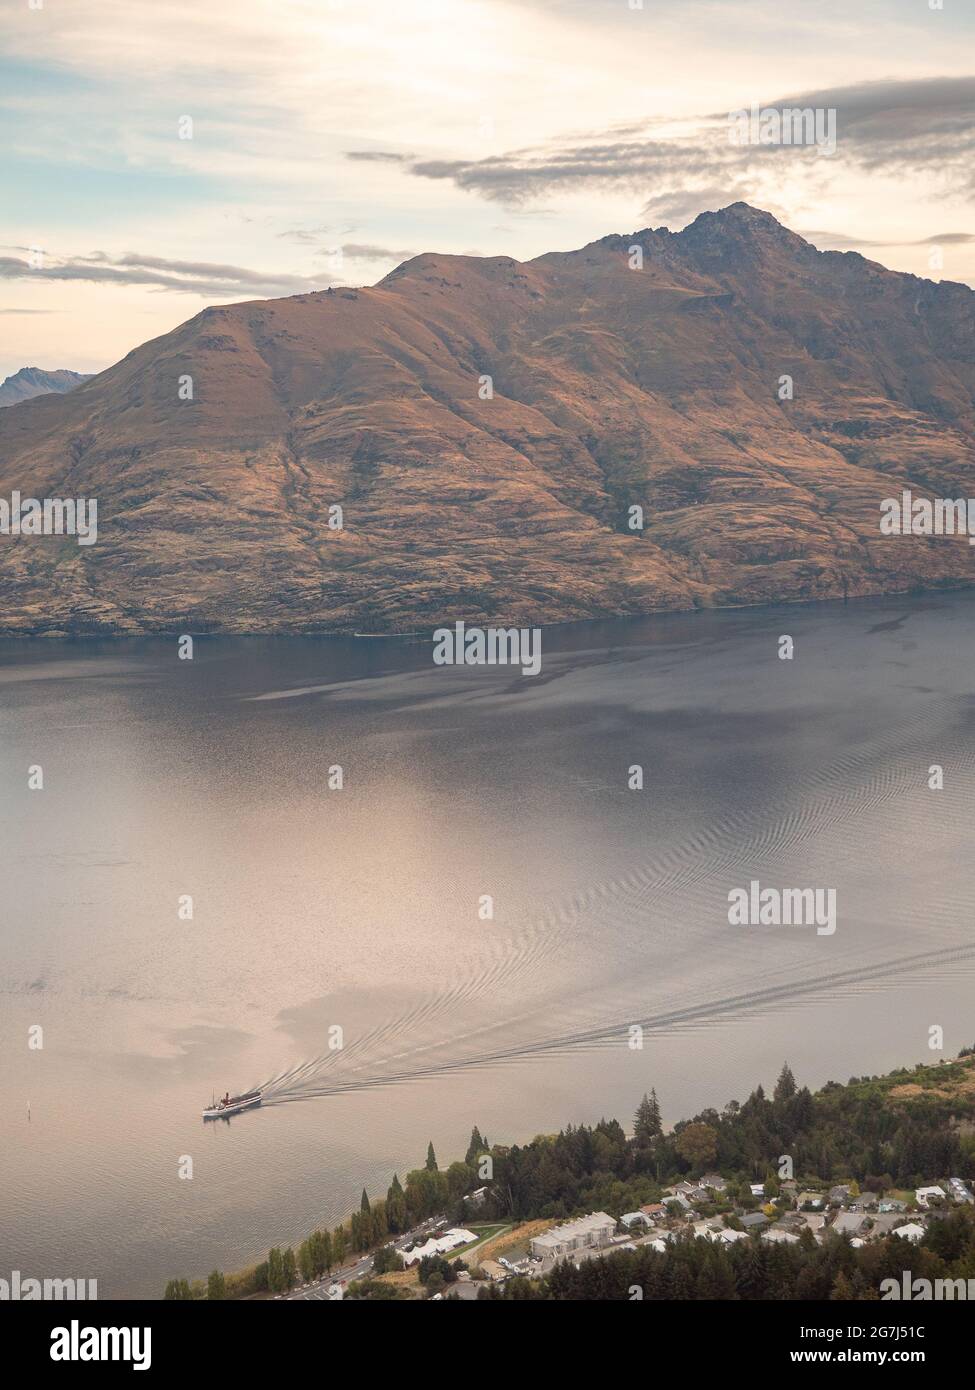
(378, 156)
(208, 279)
(924, 126)
(357, 251)
(303, 234)
(840, 241)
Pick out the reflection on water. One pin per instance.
(324, 916)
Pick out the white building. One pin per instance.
(587, 1233)
(728, 1237)
(780, 1237)
(924, 1195)
(450, 1240)
(629, 1219)
(912, 1231)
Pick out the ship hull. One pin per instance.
(220, 1112)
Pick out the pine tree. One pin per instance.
(785, 1087)
(431, 1158)
(646, 1124)
(475, 1148)
(364, 1202)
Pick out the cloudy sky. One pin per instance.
(330, 139)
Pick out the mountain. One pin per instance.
(35, 381)
(612, 387)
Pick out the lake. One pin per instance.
(317, 909)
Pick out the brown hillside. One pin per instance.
(612, 387)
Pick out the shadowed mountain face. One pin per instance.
(35, 381)
(613, 387)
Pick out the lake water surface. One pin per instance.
(315, 908)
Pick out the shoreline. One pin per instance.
(115, 634)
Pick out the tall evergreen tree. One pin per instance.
(396, 1217)
(646, 1124)
(431, 1158)
(785, 1087)
(475, 1148)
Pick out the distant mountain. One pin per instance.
(34, 381)
(612, 388)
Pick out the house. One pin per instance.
(757, 1189)
(728, 1236)
(793, 1220)
(924, 1196)
(678, 1200)
(494, 1271)
(867, 1201)
(476, 1198)
(960, 1190)
(891, 1204)
(754, 1220)
(815, 1200)
(780, 1236)
(851, 1223)
(655, 1210)
(913, 1231)
(839, 1195)
(714, 1182)
(690, 1190)
(586, 1233)
(636, 1218)
(708, 1228)
(883, 1223)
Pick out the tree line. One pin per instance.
(856, 1131)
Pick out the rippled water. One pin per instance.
(316, 908)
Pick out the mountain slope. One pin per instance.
(612, 387)
(35, 381)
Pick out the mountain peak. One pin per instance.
(36, 381)
(740, 232)
(488, 428)
(740, 217)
